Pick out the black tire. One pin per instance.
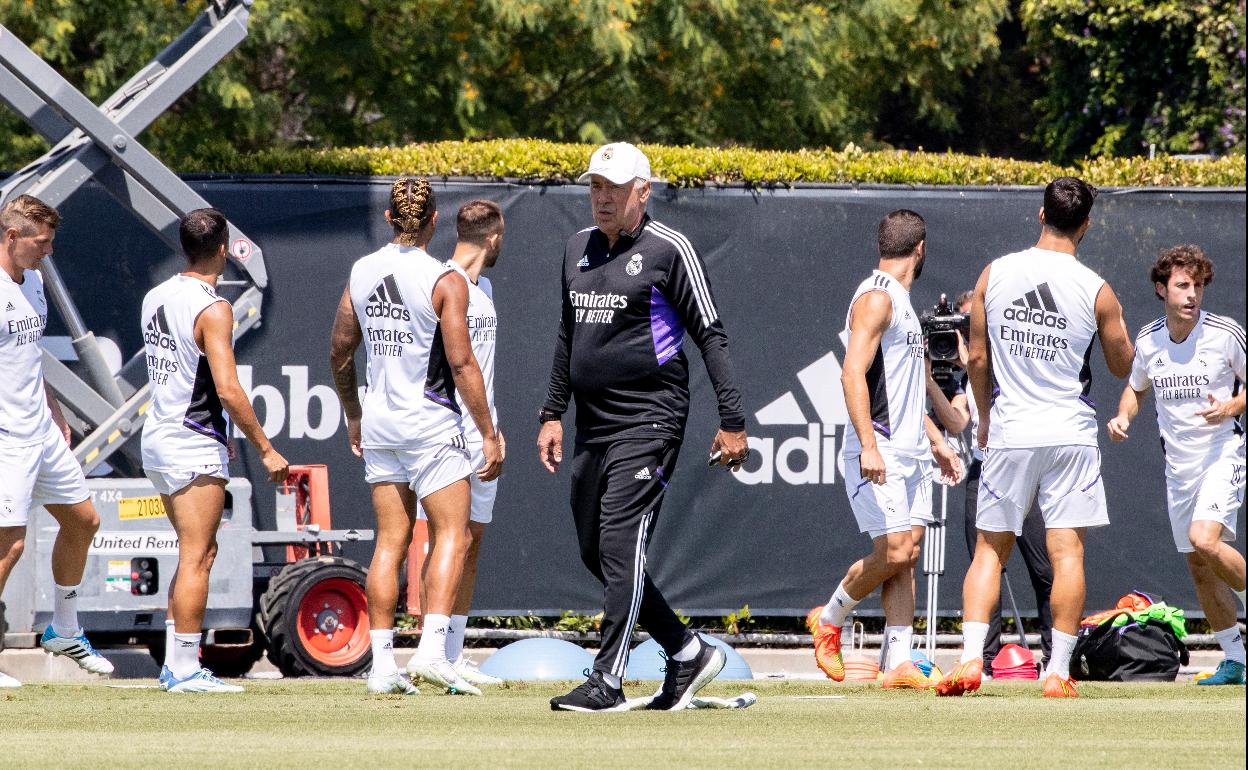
(339, 585)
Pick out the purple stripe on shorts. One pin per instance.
(984, 483)
(1087, 400)
(1091, 483)
(887, 433)
(861, 484)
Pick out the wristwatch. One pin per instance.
(547, 415)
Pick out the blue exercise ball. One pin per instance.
(537, 659)
(646, 662)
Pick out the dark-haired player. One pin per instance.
(1033, 320)
(188, 338)
(1193, 361)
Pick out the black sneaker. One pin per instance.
(593, 694)
(681, 681)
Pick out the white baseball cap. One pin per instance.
(619, 162)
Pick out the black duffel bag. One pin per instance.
(1135, 652)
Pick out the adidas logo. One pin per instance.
(643, 474)
(808, 457)
(1036, 307)
(386, 301)
(157, 332)
(72, 594)
(10, 307)
(584, 261)
(1214, 507)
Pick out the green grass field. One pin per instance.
(305, 723)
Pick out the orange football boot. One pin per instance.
(1056, 687)
(827, 646)
(964, 678)
(907, 676)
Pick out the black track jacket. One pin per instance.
(619, 353)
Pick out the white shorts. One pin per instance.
(1214, 495)
(169, 482)
(483, 492)
(39, 474)
(903, 501)
(425, 470)
(1066, 480)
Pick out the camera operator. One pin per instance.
(1032, 543)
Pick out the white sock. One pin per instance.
(898, 639)
(455, 637)
(1242, 601)
(382, 641)
(65, 611)
(168, 640)
(1063, 648)
(973, 637)
(838, 607)
(689, 651)
(1232, 643)
(433, 631)
(185, 660)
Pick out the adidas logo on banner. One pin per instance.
(156, 331)
(804, 458)
(1036, 307)
(643, 474)
(10, 307)
(584, 261)
(386, 301)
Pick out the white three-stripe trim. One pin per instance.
(639, 589)
(697, 277)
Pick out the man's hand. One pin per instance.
(493, 451)
(550, 445)
(1117, 428)
(949, 463)
(871, 466)
(275, 464)
(353, 436)
(1218, 411)
(732, 446)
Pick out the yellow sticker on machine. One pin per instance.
(131, 508)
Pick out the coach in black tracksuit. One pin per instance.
(632, 288)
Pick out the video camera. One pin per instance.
(940, 329)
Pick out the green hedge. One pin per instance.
(537, 160)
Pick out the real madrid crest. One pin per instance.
(634, 265)
(606, 154)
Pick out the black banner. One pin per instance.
(783, 265)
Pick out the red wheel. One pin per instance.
(315, 617)
(333, 621)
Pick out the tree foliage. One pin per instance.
(1123, 74)
(761, 73)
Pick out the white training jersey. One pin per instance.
(895, 379)
(186, 426)
(1041, 308)
(24, 416)
(1182, 376)
(410, 400)
(482, 331)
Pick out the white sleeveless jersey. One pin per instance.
(410, 400)
(1041, 308)
(24, 416)
(482, 331)
(1182, 376)
(895, 380)
(186, 425)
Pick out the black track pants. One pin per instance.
(1035, 550)
(617, 489)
